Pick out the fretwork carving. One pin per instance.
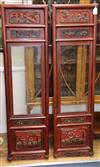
(73, 136)
(28, 139)
(24, 17)
(75, 16)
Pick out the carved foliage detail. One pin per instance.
(72, 16)
(28, 139)
(73, 120)
(25, 34)
(24, 17)
(72, 33)
(28, 122)
(73, 136)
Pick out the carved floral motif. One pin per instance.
(24, 17)
(28, 122)
(73, 120)
(73, 136)
(72, 16)
(28, 139)
(72, 33)
(25, 33)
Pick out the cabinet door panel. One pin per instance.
(68, 73)
(25, 34)
(73, 136)
(74, 69)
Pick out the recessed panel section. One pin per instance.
(75, 16)
(27, 122)
(24, 16)
(73, 80)
(71, 120)
(27, 75)
(29, 140)
(74, 136)
(70, 33)
(25, 33)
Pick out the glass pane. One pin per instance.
(98, 1)
(86, 71)
(0, 34)
(67, 1)
(72, 59)
(26, 76)
(98, 33)
(13, 1)
(68, 70)
(57, 1)
(97, 79)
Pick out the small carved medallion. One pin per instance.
(71, 136)
(28, 139)
(73, 16)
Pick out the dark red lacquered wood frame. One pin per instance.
(26, 125)
(83, 121)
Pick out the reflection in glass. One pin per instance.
(68, 70)
(72, 59)
(26, 76)
(0, 34)
(57, 1)
(97, 79)
(98, 33)
(98, 1)
(86, 70)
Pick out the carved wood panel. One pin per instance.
(73, 16)
(26, 48)
(73, 136)
(29, 140)
(74, 34)
(24, 16)
(64, 33)
(25, 33)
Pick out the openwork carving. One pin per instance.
(28, 122)
(73, 120)
(25, 34)
(24, 17)
(72, 33)
(73, 136)
(73, 16)
(28, 139)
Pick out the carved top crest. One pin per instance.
(73, 16)
(24, 16)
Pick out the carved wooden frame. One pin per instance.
(19, 123)
(70, 150)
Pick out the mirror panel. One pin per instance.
(26, 79)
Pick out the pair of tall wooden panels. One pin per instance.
(25, 32)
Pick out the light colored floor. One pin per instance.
(51, 160)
